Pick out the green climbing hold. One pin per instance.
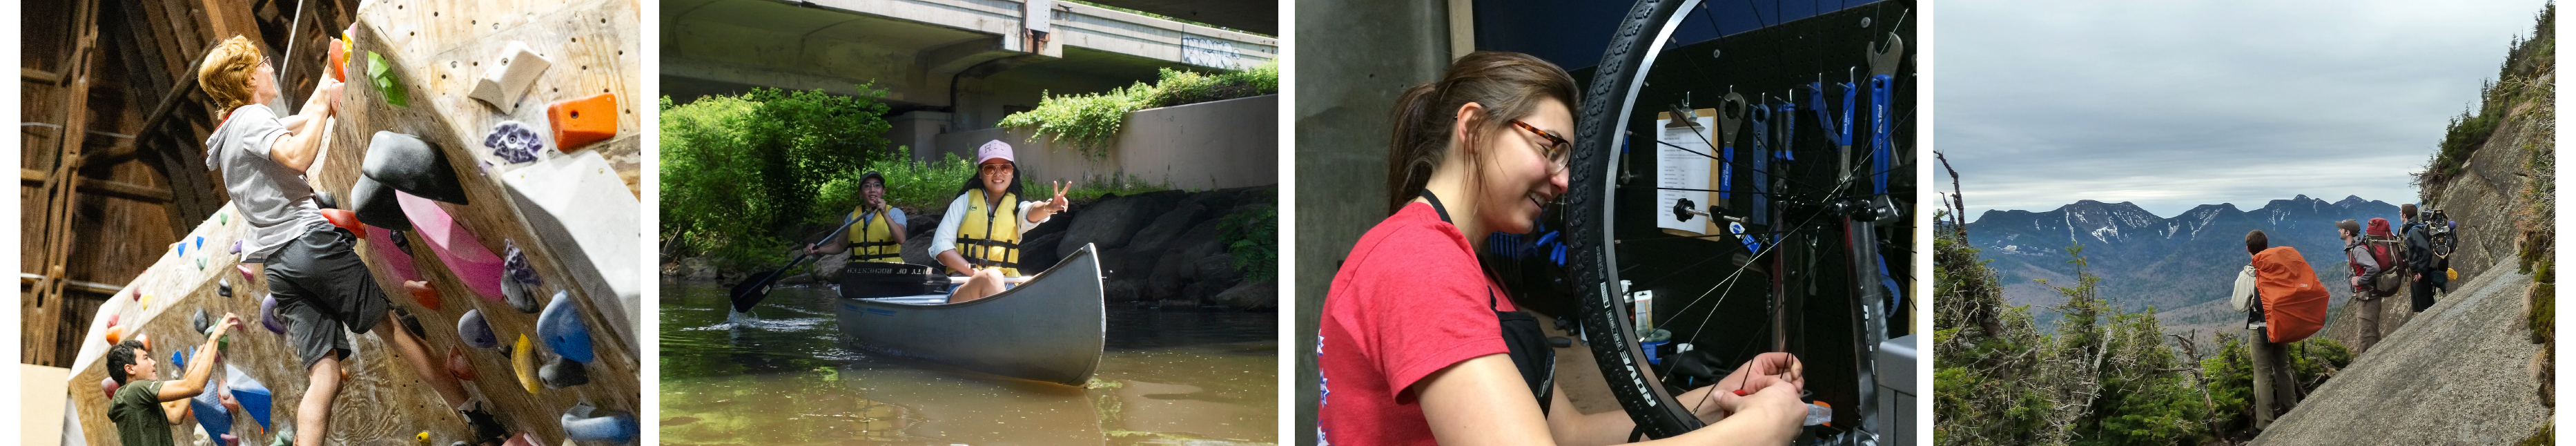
(382, 76)
(223, 218)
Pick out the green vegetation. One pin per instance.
(2105, 377)
(1089, 123)
(737, 168)
(2517, 84)
(1252, 238)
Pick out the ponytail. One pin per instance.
(1508, 85)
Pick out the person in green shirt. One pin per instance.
(138, 407)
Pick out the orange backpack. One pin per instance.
(2294, 302)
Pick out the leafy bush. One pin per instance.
(1252, 238)
(737, 168)
(1089, 123)
(914, 187)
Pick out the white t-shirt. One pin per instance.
(946, 238)
(273, 198)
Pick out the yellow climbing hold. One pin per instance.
(523, 359)
(423, 437)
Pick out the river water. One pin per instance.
(784, 378)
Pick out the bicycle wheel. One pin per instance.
(1815, 242)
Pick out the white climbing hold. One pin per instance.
(508, 79)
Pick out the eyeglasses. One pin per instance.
(1556, 148)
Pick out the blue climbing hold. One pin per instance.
(563, 330)
(210, 413)
(253, 396)
(585, 423)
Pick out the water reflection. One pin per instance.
(782, 377)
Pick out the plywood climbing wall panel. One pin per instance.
(437, 50)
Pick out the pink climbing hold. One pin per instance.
(456, 246)
(246, 273)
(108, 385)
(381, 242)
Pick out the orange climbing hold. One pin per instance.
(339, 60)
(580, 122)
(115, 335)
(345, 219)
(421, 292)
(458, 365)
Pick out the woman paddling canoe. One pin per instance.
(876, 229)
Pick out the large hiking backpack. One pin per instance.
(2440, 230)
(2383, 247)
(2294, 301)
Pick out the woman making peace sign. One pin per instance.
(979, 236)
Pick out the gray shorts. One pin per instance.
(322, 287)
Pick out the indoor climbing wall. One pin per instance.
(567, 212)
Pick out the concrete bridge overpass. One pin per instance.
(947, 65)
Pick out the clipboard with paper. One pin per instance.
(1683, 170)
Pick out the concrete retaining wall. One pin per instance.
(1222, 144)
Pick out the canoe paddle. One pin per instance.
(755, 288)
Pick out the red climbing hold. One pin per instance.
(345, 219)
(420, 291)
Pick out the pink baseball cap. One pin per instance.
(994, 149)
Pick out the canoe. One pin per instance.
(1050, 329)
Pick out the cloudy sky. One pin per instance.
(2173, 104)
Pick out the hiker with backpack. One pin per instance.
(2374, 274)
(2284, 303)
(2421, 257)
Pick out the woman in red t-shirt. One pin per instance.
(1412, 347)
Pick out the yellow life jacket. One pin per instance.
(989, 236)
(872, 239)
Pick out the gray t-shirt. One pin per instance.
(273, 198)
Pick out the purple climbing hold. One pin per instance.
(237, 246)
(514, 141)
(515, 262)
(268, 315)
(474, 331)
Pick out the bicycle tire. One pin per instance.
(1604, 114)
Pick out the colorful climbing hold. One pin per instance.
(339, 57)
(211, 413)
(237, 247)
(245, 271)
(108, 386)
(524, 361)
(345, 219)
(580, 122)
(563, 372)
(508, 78)
(455, 246)
(563, 330)
(268, 315)
(253, 396)
(474, 331)
(115, 335)
(520, 295)
(515, 262)
(458, 365)
(586, 423)
(375, 204)
(514, 142)
(423, 438)
(388, 244)
(200, 321)
(223, 287)
(423, 293)
(411, 165)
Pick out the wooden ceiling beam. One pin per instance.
(118, 189)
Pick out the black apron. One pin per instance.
(1521, 334)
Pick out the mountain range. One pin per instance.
(2166, 263)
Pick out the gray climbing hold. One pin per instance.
(409, 164)
(520, 295)
(223, 287)
(376, 205)
(474, 331)
(563, 372)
